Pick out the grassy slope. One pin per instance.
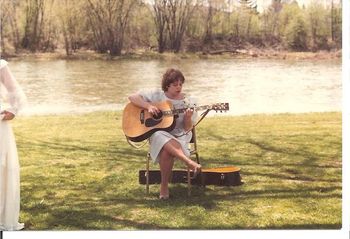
(78, 173)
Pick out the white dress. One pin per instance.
(159, 138)
(10, 93)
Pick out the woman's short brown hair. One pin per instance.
(170, 76)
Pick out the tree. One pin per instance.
(3, 22)
(336, 22)
(271, 22)
(50, 29)
(249, 4)
(171, 18)
(71, 24)
(296, 34)
(140, 32)
(249, 8)
(108, 20)
(8, 15)
(318, 25)
(34, 21)
(287, 15)
(209, 23)
(160, 11)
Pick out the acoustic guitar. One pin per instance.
(138, 124)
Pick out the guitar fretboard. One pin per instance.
(182, 110)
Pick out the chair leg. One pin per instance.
(197, 158)
(147, 173)
(188, 181)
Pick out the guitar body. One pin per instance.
(139, 125)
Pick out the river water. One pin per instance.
(249, 85)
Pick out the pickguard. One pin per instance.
(150, 122)
(156, 119)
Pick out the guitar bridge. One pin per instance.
(142, 117)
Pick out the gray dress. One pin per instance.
(159, 138)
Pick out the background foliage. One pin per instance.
(117, 27)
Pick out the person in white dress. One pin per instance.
(11, 95)
(166, 146)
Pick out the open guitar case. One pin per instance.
(220, 176)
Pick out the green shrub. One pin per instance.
(296, 34)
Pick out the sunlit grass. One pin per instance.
(78, 173)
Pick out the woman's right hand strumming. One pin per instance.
(139, 101)
(153, 109)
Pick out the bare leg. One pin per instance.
(173, 148)
(166, 163)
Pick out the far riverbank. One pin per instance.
(143, 54)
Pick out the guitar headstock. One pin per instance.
(220, 107)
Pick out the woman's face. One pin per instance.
(175, 88)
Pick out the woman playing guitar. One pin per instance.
(165, 146)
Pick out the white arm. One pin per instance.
(15, 96)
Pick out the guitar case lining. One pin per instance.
(222, 176)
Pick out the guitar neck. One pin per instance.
(182, 110)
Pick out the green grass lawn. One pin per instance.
(78, 173)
